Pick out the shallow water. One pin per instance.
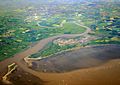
(78, 59)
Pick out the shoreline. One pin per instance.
(67, 50)
(72, 78)
(80, 58)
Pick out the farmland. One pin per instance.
(14, 30)
(25, 26)
(58, 42)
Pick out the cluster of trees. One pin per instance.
(51, 49)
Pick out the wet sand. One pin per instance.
(18, 58)
(77, 59)
(105, 74)
(20, 77)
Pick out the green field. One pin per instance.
(72, 28)
(114, 40)
(15, 31)
(19, 25)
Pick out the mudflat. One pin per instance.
(102, 73)
(77, 59)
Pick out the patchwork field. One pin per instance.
(59, 42)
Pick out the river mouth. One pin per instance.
(77, 59)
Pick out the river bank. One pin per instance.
(81, 58)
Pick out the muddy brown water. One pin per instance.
(77, 59)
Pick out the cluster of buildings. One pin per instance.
(63, 42)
